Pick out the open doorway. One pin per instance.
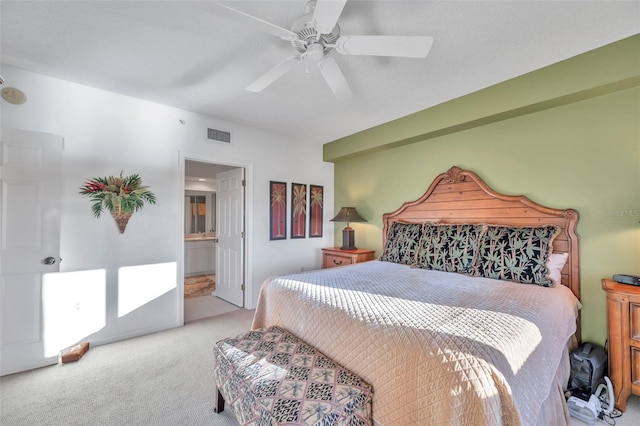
(206, 273)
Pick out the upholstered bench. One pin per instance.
(270, 377)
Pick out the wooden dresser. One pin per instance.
(623, 317)
(334, 256)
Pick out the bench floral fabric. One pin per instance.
(269, 377)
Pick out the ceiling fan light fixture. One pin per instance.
(315, 52)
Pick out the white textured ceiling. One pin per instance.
(180, 54)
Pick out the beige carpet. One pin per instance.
(201, 285)
(196, 308)
(163, 379)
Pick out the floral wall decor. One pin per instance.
(119, 195)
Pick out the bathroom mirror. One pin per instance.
(199, 212)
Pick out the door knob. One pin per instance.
(49, 260)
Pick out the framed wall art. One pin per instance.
(316, 196)
(278, 210)
(298, 210)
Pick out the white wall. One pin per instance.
(106, 133)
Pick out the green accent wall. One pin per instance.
(566, 136)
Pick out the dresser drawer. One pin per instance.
(634, 322)
(623, 318)
(635, 370)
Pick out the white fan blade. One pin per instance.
(326, 14)
(273, 74)
(335, 79)
(401, 46)
(252, 21)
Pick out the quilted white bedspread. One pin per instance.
(438, 348)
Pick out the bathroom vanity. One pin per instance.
(200, 254)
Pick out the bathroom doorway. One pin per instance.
(201, 240)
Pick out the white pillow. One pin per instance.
(555, 263)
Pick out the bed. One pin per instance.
(438, 343)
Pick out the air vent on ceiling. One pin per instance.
(219, 136)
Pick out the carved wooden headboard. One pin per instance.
(460, 196)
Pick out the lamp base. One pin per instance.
(348, 239)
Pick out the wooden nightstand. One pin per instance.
(334, 256)
(623, 317)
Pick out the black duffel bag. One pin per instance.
(588, 367)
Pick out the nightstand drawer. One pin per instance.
(331, 260)
(335, 256)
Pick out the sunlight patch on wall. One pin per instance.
(139, 285)
(73, 307)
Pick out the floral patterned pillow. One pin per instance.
(517, 254)
(449, 248)
(402, 240)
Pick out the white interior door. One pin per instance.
(230, 234)
(30, 167)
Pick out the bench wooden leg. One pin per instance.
(219, 407)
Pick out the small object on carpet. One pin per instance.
(74, 353)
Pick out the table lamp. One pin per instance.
(348, 214)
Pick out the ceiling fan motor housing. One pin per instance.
(308, 35)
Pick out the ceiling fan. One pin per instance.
(316, 34)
